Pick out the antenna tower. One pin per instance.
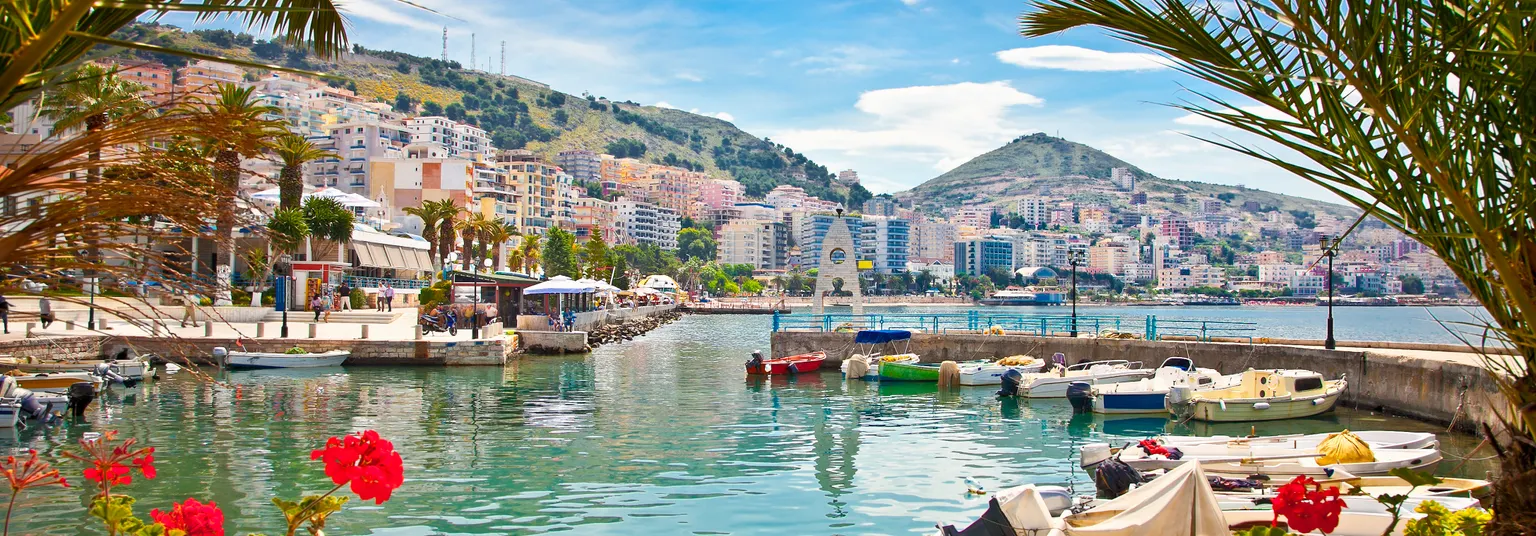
(445, 43)
(472, 52)
(503, 58)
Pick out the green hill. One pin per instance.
(1038, 164)
(523, 114)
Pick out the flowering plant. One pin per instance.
(27, 474)
(366, 461)
(1305, 509)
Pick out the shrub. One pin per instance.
(359, 300)
(240, 297)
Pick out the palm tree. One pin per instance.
(496, 235)
(97, 97)
(434, 214)
(247, 132)
(471, 229)
(529, 252)
(295, 151)
(1417, 113)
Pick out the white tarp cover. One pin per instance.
(1027, 512)
(1179, 503)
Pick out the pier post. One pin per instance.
(101, 324)
(69, 325)
(208, 329)
(313, 329)
(418, 332)
(28, 332)
(261, 330)
(365, 332)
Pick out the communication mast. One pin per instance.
(472, 52)
(503, 58)
(445, 43)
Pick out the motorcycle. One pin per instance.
(435, 324)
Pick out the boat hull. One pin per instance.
(10, 413)
(1248, 410)
(1152, 402)
(258, 360)
(909, 372)
(1057, 387)
(55, 382)
(789, 365)
(992, 374)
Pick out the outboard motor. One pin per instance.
(756, 361)
(81, 395)
(1179, 402)
(1011, 380)
(1113, 478)
(104, 371)
(31, 408)
(1080, 394)
(221, 356)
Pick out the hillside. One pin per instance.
(523, 114)
(1039, 164)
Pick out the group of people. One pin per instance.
(337, 298)
(44, 313)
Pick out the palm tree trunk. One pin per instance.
(469, 252)
(290, 187)
(227, 170)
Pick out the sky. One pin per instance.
(899, 90)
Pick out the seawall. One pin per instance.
(493, 351)
(1446, 391)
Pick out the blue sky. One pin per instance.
(900, 90)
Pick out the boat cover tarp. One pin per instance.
(1178, 503)
(881, 336)
(1012, 512)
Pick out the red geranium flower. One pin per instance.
(113, 475)
(1307, 510)
(366, 461)
(146, 463)
(104, 460)
(192, 517)
(32, 472)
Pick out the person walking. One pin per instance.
(389, 297)
(188, 309)
(5, 314)
(318, 305)
(345, 293)
(331, 303)
(44, 311)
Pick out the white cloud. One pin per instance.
(723, 116)
(1202, 121)
(940, 126)
(1081, 59)
(664, 104)
(387, 13)
(689, 77)
(849, 59)
(911, 2)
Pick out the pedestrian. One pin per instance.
(345, 293)
(318, 305)
(389, 297)
(330, 305)
(188, 309)
(5, 314)
(44, 311)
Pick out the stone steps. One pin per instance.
(342, 317)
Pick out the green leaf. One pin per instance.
(1415, 478)
(1391, 501)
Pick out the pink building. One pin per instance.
(721, 193)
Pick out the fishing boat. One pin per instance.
(794, 364)
(1054, 384)
(1279, 462)
(991, 372)
(264, 360)
(876, 347)
(1377, 439)
(120, 370)
(1146, 395)
(55, 382)
(1260, 395)
(909, 371)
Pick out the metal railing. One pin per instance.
(376, 282)
(1148, 327)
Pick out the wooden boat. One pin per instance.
(1054, 384)
(128, 369)
(56, 382)
(1146, 395)
(903, 371)
(263, 360)
(1285, 463)
(787, 365)
(1377, 439)
(1260, 395)
(991, 373)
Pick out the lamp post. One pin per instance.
(90, 313)
(1075, 259)
(1330, 248)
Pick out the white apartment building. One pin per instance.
(1183, 277)
(1035, 210)
(355, 145)
(932, 241)
(1123, 178)
(976, 216)
(885, 241)
(644, 223)
(757, 243)
(461, 140)
(1277, 273)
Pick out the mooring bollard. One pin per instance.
(28, 331)
(154, 328)
(208, 329)
(418, 332)
(261, 330)
(69, 325)
(365, 332)
(102, 324)
(313, 329)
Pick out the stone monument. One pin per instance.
(839, 260)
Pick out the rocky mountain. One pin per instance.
(1039, 164)
(524, 114)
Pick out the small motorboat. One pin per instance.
(1054, 384)
(1219, 459)
(991, 372)
(128, 369)
(53, 382)
(1260, 395)
(1377, 439)
(1146, 395)
(794, 364)
(909, 371)
(264, 360)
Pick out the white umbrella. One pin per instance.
(273, 194)
(559, 285)
(357, 201)
(601, 286)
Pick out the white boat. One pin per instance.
(172, 368)
(1220, 459)
(991, 373)
(1260, 395)
(1147, 395)
(1054, 384)
(1377, 439)
(264, 360)
(10, 412)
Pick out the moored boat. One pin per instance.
(1259, 395)
(1147, 395)
(905, 371)
(1377, 439)
(1219, 459)
(991, 372)
(55, 382)
(264, 360)
(794, 364)
(1054, 384)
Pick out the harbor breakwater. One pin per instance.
(1446, 391)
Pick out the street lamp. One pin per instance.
(90, 313)
(1075, 259)
(1330, 248)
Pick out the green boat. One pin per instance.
(909, 372)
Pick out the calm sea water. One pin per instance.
(1400, 324)
(662, 435)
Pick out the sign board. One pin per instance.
(866, 264)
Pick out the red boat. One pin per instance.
(785, 365)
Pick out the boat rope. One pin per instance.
(1468, 458)
(1461, 404)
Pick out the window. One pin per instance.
(1310, 383)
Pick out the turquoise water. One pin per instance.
(1400, 324)
(661, 435)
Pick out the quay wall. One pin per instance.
(54, 349)
(485, 352)
(1434, 390)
